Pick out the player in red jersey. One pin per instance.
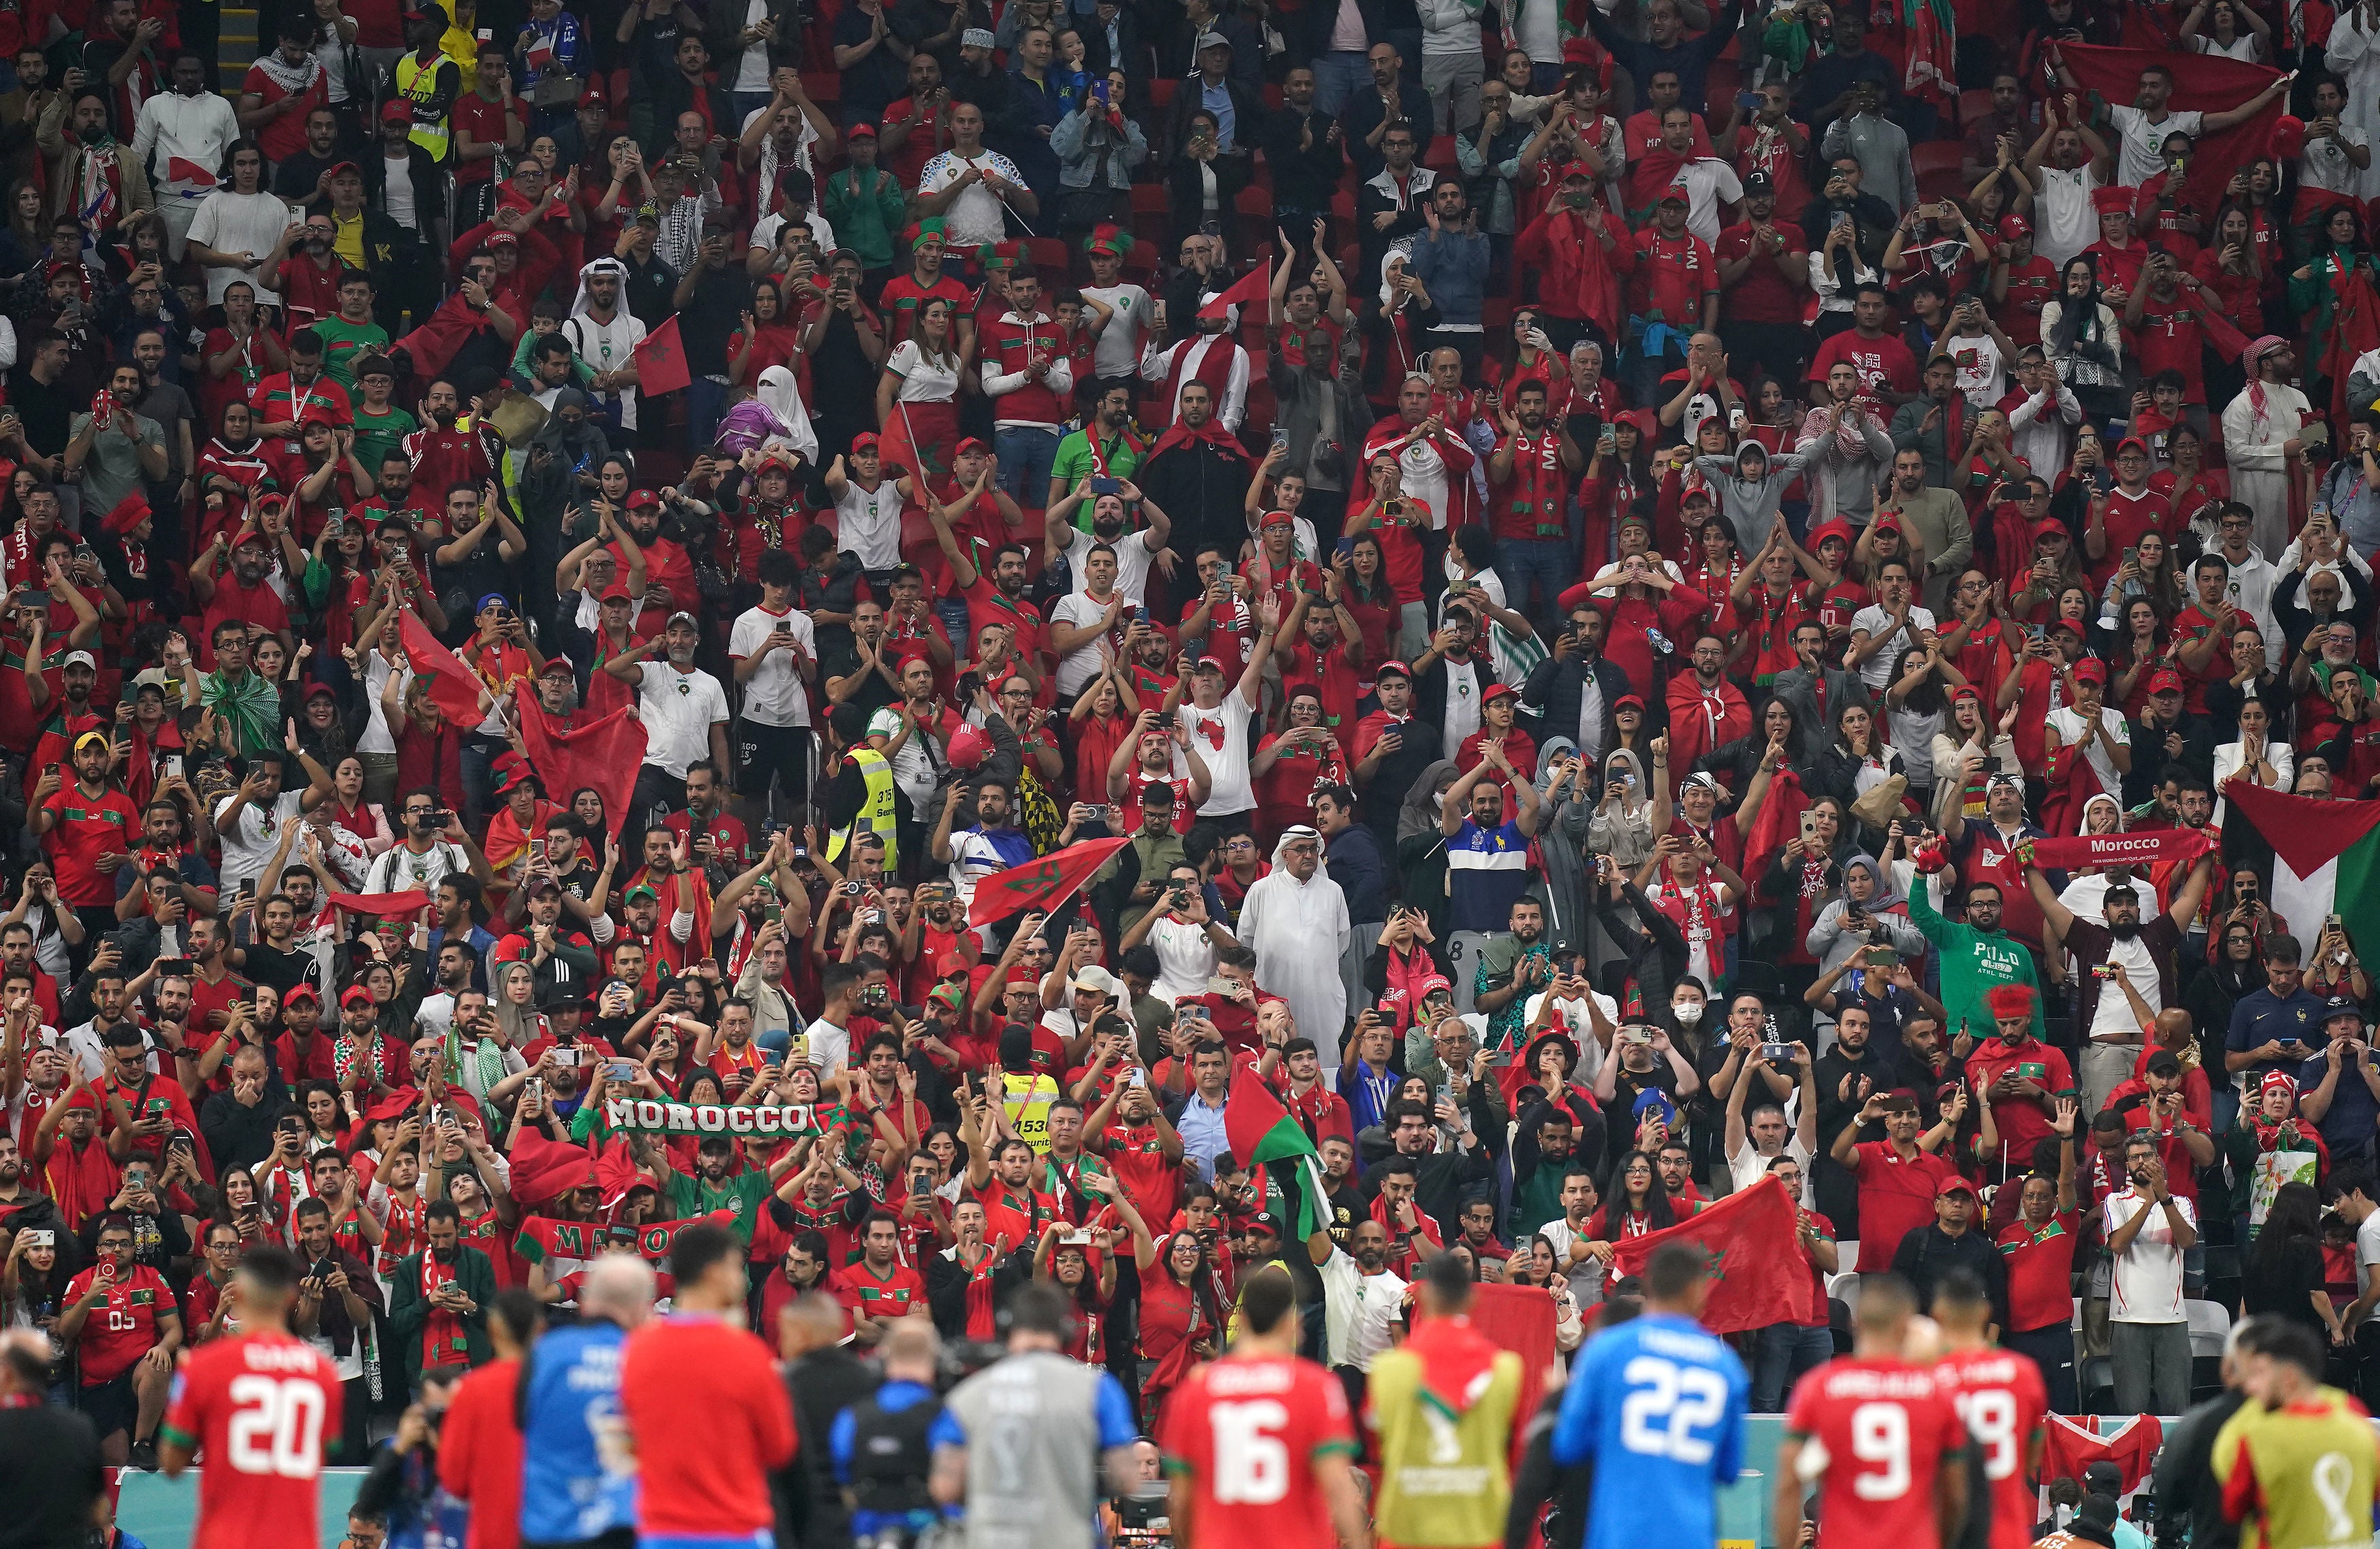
(256, 1406)
(1258, 1443)
(1879, 1437)
(2001, 1397)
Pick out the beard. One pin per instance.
(2124, 932)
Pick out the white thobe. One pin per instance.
(1298, 930)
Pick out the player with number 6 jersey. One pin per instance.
(1656, 1410)
(1880, 1438)
(254, 1410)
(2002, 1399)
(1258, 1443)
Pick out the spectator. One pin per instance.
(2148, 1230)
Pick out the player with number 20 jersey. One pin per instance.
(1657, 1407)
(1245, 1432)
(2000, 1396)
(1876, 1429)
(255, 1408)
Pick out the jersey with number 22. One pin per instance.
(256, 1409)
(1657, 1406)
(1878, 1431)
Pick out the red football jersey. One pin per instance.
(1246, 1430)
(1880, 1430)
(123, 1328)
(2000, 1396)
(256, 1409)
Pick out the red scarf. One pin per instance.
(443, 1338)
(1214, 369)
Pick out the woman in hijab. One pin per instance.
(1868, 914)
(1623, 826)
(1565, 817)
(782, 395)
(2079, 333)
(1421, 849)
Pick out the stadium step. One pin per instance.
(236, 45)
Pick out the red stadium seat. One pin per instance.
(1721, 80)
(1160, 92)
(1255, 204)
(1048, 254)
(1936, 165)
(825, 87)
(1973, 106)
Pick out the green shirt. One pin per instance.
(1074, 462)
(377, 435)
(742, 1192)
(865, 218)
(345, 342)
(1973, 961)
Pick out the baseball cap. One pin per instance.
(617, 592)
(692, 621)
(80, 658)
(1627, 701)
(353, 995)
(396, 109)
(503, 240)
(969, 445)
(150, 677)
(339, 167)
(640, 888)
(2014, 227)
(302, 992)
(2340, 1005)
(1757, 184)
(866, 441)
(2091, 670)
(1949, 1186)
(2165, 680)
(1094, 979)
(858, 131)
(1213, 39)
(1265, 1220)
(1500, 690)
(640, 499)
(1391, 670)
(949, 964)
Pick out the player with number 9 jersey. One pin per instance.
(2000, 1396)
(1877, 1431)
(1656, 1408)
(1245, 1432)
(255, 1408)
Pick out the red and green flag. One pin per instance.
(457, 692)
(1263, 1132)
(2325, 859)
(1040, 885)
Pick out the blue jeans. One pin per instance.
(705, 401)
(1337, 77)
(1026, 457)
(1549, 562)
(1780, 1353)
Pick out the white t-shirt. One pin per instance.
(1358, 1311)
(2064, 222)
(1876, 671)
(1709, 183)
(976, 216)
(923, 380)
(766, 229)
(2137, 160)
(1080, 611)
(868, 523)
(1185, 958)
(231, 222)
(752, 65)
(2367, 1253)
(773, 695)
(1574, 1018)
(2325, 165)
(2067, 721)
(1132, 553)
(1982, 375)
(1117, 353)
(397, 191)
(830, 1044)
(678, 710)
(1222, 734)
(1462, 704)
(2146, 1286)
(1748, 1166)
(249, 843)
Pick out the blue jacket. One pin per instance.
(569, 1394)
(1452, 266)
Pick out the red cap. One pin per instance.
(1388, 668)
(949, 964)
(866, 441)
(640, 499)
(1836, 529)
(1500, 690)
(1624, 701)
(302, 992)
(396, 109)
(2165, 680)
(594, 95)
(2115, 195)
(353, 994)
(2129, 443)
(617, 592)
(2013, 227)
(2091, 670)
(2049, 527)
(970, 443)
(339, 167)
(857, 130)
(1954, 1185)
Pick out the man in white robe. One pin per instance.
(1294, 919)
(2260, 439)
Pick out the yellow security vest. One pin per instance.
(417, 83)
(876, 811)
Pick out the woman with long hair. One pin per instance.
(1917, 706)
(1064, 1258)
(1634, 1204)
(2282, 1273)
(1859, 761)
(2079, 333)
(918, 396)
(1106, 715)
(1364, 590)
(2255, 756)
(1393, 519)
(2150, 575)
(240, 351)
(1618, 469)
(513, 998)
(26, 236)
(1180, 1317)
(2135, 650)
(768, 338)
(2193, 491)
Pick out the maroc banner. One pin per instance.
(2148, 847)
(648, 1116)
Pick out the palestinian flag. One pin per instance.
(2326, 859)
(1040, 885)
(1262, 1132)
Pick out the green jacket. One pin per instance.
(409, 1314)
(865, 218)
(1973, 961)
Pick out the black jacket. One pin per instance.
(1303, 177)
(946, 1288)
(2189, 1497)
(823, 1384)
(1201, 488)
(1928, 1252)
(1557, 686)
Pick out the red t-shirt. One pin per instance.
(1895, 1198)
(257, 1407)
(87, 829)
(123, 1328)
(857, 1288)
(1884, 361)
(486, 121)
(2040, 1271)
(1762, 293)
(2030, 285)
(1138, 1158)
(1226, 1416)
(1885, 1426)
(2000, 1396)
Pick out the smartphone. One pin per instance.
(1637, 1035)
(537, 852)
(566, 1059)
(1279, 437)
(773, 1057)
(621, 1069)
(1809, 825)
(1102, 486)
(1223, 987)
(1777, 1054)
(248, 889)
(1748, 101)
(1136, 1077)
(41, 1237)
(534, 1084)
(169, 766)
(785, 626)
(2130, 556)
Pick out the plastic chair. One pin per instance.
(2098, 1385)
(2210, 1324)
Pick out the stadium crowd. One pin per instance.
(1568, 608)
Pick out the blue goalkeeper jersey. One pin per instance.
(1655, 1406)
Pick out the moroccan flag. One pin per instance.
(661, 361)
(2326, 859)
(404, 905)
(2202, 83)
(1250, 288)
(1041, 884)
(1520, 1319)
(544, 1170)
(453, 688)
(1758, 1275)
(1262, 1132)
(605, 753)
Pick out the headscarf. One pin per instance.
(2083, 825)
(1547, 751)
(570, 451)
(1419, 814)
(1884, 898)
(781, 395)
(610, 266)
(2076, 320)
(2251, 355)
